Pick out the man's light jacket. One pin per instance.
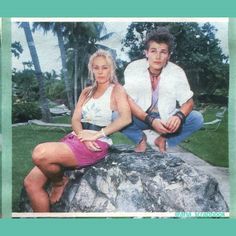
(173, 86)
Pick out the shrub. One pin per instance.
(55, 90)
(24, 111)
(25, 86)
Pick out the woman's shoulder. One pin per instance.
(118, 88)
(86, 90)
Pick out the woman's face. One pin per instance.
(101, 70)
(158, 55)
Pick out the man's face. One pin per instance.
(157, 55)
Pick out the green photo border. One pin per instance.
(105, 8)
(6, 119)
(0, 121)
(232, 116)
(121, 8)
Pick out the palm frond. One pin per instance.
(107, 36)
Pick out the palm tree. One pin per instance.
(46, 116)
(57, 28)
(82, 41)
(16, 49)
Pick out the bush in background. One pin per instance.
(24, 111)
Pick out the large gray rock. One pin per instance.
(129, 182)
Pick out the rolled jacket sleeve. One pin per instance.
(173, 87)
(183, 91)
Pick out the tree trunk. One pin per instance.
(64, 68)
(46, 116)
(82, 82)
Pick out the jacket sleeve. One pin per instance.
(130, 85)
(183, 93)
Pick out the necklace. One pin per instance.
(154, 75)
(154, 79)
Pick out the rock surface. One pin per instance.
(129, 182)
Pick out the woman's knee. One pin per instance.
(29, 183)
(39, 154)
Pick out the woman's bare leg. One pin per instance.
(34, 185)
(57, 190)
(49, 159)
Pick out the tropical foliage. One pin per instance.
(197, 51)
(76, 41)
(46, 116)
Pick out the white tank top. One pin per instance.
(98, 111)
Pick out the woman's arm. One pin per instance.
(76, 121)
(76, 118)
(122, 106)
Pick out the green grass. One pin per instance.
(210, 145)
(25, 138)
(62, 119)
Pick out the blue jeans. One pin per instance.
(193, 122)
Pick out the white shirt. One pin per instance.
(98, 111)
(173, 86)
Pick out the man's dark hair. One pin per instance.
(161, 35)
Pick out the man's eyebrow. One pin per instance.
(161, 49)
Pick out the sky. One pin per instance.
(47, 45)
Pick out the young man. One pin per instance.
(155, 86)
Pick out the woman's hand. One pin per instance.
(92, 146)
(88, 135)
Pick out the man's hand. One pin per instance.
(173, 124)
(160, 126)
(92, 146)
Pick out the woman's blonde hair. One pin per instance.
(110, 62)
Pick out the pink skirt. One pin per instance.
(84, 156)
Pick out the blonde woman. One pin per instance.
(89, 142)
